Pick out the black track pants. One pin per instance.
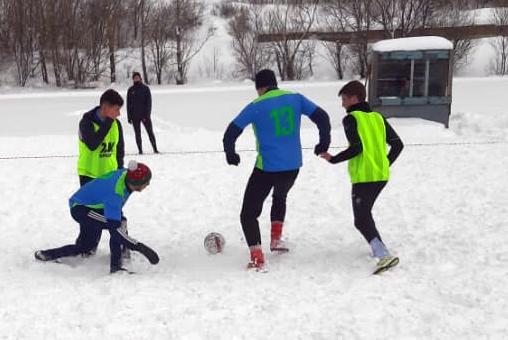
(147, 122)
(259, 186)
(363, 196)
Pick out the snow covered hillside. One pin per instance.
(444, 213)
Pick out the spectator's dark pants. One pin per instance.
(363, 196)
(91, 222)
(259, 186)
(147, 122)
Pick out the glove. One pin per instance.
(320, 148)
(233, 158)
(129, 121)
(148, 252)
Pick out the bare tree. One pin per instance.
(4, 34)
(186, 18)
(402, 15)
(303, 64)
(287, 18)
(77, 40)
(140, 10)
(21, 19)
(499, 64)
(160, 43)
(90, 50)
(334, 17)
(338, 56)
(450, 15)
(250, 55)
(113, 12)
(359, 17)
(51, 29)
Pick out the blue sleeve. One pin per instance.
(308, 107)
(113, 208)
(245, 117)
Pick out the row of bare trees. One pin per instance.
(78, 41)
(293, 58)
(499, 64)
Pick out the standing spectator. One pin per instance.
(139, 109)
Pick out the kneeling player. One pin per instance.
(97, 206)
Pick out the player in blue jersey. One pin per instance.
(275, 117)
(98, 205)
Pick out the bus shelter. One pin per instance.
(412, 77)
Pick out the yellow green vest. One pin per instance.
(372, 164)
(101, 160)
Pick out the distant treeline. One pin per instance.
(76, 42)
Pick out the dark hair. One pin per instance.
(265, 78)
(136, 74)
(354, 88)
(111, 97)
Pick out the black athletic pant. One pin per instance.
(82, 181)
(259, 186)
(147, 122)
(364, 196)
(91, 222)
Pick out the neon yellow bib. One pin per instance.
(372, 164)
(101, 160)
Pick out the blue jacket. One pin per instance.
(276, 117)
(108, 192)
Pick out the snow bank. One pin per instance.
(413, 44)
(444, 213)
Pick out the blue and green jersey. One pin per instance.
(108, 192)
(276, 118)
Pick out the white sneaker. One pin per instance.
(278, 246)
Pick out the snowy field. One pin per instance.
(444, 214)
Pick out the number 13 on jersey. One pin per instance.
(284, 119)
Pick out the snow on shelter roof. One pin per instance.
(413, 44)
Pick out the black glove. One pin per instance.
(233, 158)
(320, 148)
(148, 252)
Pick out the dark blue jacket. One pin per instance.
(139, 102)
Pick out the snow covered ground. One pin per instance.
(444, 213)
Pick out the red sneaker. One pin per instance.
(276, 244)
(257, 260)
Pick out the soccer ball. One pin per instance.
(214, 243)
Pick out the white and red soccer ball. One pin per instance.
(214, 243)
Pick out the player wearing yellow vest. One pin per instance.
(101, 144)
(368, 133)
